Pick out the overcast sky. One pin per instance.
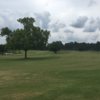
(68, 20)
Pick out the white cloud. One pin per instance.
(57, 16)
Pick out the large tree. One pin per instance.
(28, 38)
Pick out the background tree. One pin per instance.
(55, 46)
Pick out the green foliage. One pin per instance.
(29, 38)
(82, 46)
(55, 46)
(27, 22)
(5, 31)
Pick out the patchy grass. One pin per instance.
(68, 75)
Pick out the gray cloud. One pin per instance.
(43, 19)
(55, 27)
(92, 25)
(68, 31)
(98, 22)
(90, 29)
(80, 22)
(92, 3)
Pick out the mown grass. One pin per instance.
(69, 75)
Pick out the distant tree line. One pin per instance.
(58, 45)
(82, 46)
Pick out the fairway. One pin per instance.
(68, 75)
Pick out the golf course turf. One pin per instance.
(68, 75)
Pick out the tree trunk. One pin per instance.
(25, 54)
(55, 52)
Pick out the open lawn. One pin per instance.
(68, 75)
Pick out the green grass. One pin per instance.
(68, 75)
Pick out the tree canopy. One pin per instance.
(28, 38)
(55, 46)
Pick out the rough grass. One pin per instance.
(68, 75)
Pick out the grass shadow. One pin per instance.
(36, 58)
(39, 58)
